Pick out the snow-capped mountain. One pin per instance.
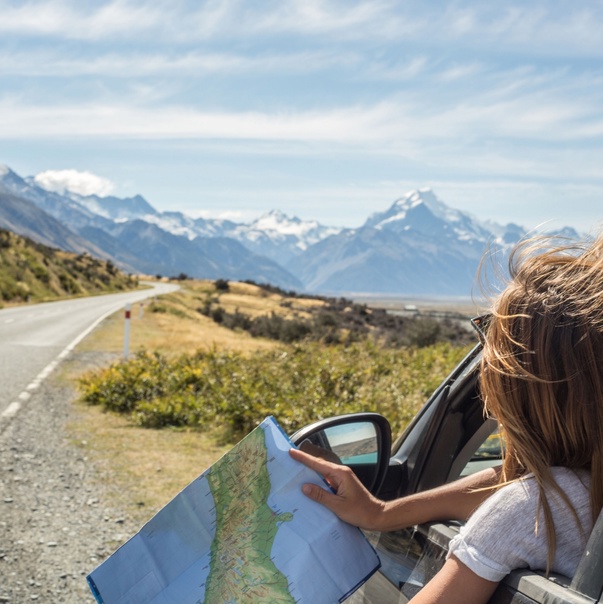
(115, 208)
(419, 245)
(423, 212)
(273, 235)
(134, 235)
(278, 236)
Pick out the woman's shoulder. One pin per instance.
(575, 483)
(502, 533)
(520, 498)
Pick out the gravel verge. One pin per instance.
(57, 522)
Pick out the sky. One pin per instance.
(328, 110)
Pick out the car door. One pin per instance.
(449, 438)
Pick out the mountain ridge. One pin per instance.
(416, 246)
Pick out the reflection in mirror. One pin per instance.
(361, 441)
(354, 443)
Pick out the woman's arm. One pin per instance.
(455, 584)
(354, 504)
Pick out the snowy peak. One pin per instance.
(11, 180)
(280, 237)
(276, 224)
(421, 202)
(423, 213)
(115, 208)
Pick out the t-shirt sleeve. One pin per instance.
(501, 535)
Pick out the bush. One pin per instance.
(297, 385)
(222, 285)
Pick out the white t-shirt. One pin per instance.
(501, 534)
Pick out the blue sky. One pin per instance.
(327, 110)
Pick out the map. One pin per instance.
(242, 532)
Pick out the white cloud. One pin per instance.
(71, 20)
(188, 63)
(348, 124)
(74, 181)
(345, 18)
(536, 26)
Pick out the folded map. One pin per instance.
(242, 532)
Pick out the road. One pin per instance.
(35, 338)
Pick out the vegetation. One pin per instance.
(328, 357)
(232, 353)
(212, 383)
(330, 320)
(31, 272)
(297, 384)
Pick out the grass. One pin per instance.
(145, 467)
(32, 272)
(168, 331)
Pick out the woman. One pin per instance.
(541, 377)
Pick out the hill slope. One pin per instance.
(30, 271)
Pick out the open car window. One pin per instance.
(487, 455)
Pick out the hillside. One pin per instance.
(219, 357)
(32, 272)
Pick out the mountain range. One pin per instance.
(418, 246)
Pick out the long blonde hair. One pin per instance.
(542, 367)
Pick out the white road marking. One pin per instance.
(11, 410)
(24, 396)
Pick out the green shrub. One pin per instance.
(221, 285)
(297, 385)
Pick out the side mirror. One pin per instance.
(362, 441)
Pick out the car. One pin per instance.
(449, 438)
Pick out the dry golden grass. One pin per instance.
(254, 301)
(149, 467)
(143, 469)
(169, 333)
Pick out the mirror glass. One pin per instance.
(354, 443)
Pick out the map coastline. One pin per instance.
(241, 564)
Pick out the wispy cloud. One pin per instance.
(553, 27)
(186, 20)
(342, 125)
(70, 20)
(399, 125)
(188, 63)
(346, 18)
(443, 91)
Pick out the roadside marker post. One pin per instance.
(127, 331)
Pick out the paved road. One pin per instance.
(33, 340)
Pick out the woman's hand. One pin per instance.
(351, 501)
(354, 504)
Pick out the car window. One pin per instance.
(488, 454)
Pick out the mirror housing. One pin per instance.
(362, 441)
